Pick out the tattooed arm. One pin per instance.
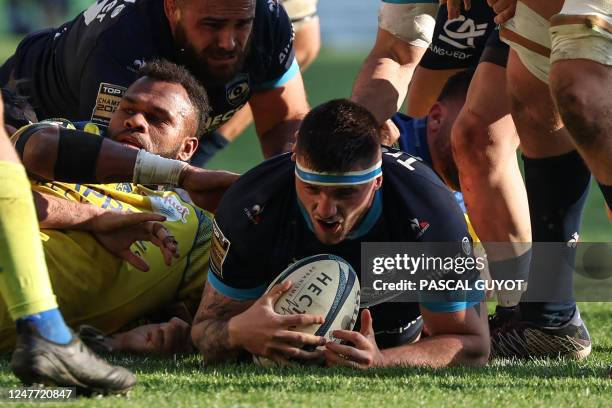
(224, 328)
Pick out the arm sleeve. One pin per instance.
(283, 64)
(234, 270)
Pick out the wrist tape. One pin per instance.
(153, 169)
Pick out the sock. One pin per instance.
(50, 324)
(511, 269)
(209, 146)
(557, 188)
(607, 193)
(24, 281)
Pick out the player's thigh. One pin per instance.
(307, 42)
(537, 121)
(425, 87)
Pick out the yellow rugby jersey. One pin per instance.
(93, 286)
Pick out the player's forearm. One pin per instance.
(441, 351)
(212, 338)
(113, 162)
(58, 213)
(381, 85)
(281, 137)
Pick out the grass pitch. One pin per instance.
(184, 382)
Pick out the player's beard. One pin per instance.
(196, 61)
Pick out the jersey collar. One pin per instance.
(366, 224)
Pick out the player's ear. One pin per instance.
(435, 116)
(173, 12)
(190, 146)
(378, 182)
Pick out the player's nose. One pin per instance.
(226, 39)
(326, 207)
(136, 121)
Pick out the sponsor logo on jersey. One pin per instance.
(171, 207)
(108, 99)
(253, 213)
(219, 248)
(99, 10)
(463, 36)
(213, 122)
(419, 227)
(237, 91)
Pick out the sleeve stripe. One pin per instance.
(234, 293)
(448, 307)
(283, 79)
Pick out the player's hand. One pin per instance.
(454, 7)
(118, 242)
(364, 354)
(206, 187)
(389, 133)
(108, 221)
(173, 337)
(263, 332)
(504, 9)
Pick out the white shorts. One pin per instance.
(581, 30)
(300, 11)
(412, 23)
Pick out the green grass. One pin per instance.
(540, 383)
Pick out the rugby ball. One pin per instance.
(325, 285)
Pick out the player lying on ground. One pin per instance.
(161, 112)
(241, 50)
(47, 351)
(305, 204)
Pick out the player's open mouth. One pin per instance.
(329, 226)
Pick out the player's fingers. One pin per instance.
(467, 4)
(366, 323)
(505, 15)
(333, 359)
(349, 353)
(134, 260)
(352, 336)
(138, 218)
(294, 352)
(301, 320)
(453, 9)
(279, 358)
(299, 339)
(276, 292)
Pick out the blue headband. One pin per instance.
(331, 179)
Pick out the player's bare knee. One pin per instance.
(574, 102)
(468, 140)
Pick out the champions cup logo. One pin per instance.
(237, 91)
(466, 32)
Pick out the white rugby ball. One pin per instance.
(324, 285)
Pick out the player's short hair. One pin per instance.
(166, 71)
(457, 85)
(17, 110)
(337, 136)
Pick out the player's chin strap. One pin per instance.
(153, 169)
(331, 179)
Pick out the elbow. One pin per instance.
(477, 354)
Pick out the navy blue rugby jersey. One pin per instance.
(459, 43)
(260, 229)
(80, 70)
